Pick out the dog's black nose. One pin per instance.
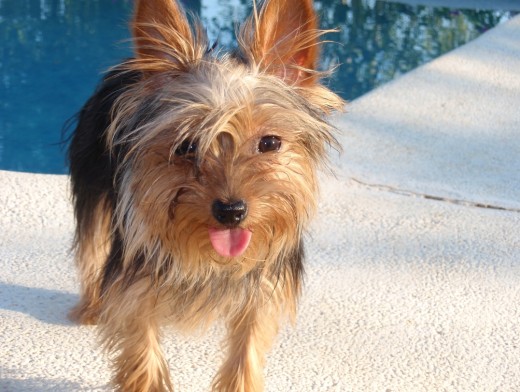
(229, 214)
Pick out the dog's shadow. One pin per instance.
(48, 306)
(37, 385)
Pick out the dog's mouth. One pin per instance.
(230, 242)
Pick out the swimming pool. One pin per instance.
(54, 51)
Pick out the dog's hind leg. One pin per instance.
(92, 246)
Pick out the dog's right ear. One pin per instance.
(161, 32)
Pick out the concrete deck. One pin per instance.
(412, 284)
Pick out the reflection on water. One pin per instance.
(52, 53)
(380, 41)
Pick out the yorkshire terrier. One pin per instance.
(194, 178)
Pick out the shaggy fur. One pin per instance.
(181, 142)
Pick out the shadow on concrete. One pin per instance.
(38, 385)
(48, 306)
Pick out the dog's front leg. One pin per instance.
(250, 335)
(130, 324)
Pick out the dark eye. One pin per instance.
(187, 147)
(269, 143)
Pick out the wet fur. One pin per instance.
(143, 212)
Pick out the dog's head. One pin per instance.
(221, 150)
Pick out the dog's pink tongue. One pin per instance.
(229, 242)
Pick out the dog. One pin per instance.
(193, 179)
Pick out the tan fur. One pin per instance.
(170, 272)
(92, 247)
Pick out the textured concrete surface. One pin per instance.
(412, 285)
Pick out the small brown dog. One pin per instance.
(194, 177)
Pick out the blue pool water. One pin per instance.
(53, 52)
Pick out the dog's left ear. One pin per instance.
(283, 39)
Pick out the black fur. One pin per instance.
(92, 166)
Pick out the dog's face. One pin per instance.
(221, 151)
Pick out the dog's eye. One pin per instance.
(187, 147)
(269, 143)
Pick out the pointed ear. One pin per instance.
(161, 31)
(283, 39)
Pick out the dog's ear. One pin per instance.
(161, 31)
(283, 39)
